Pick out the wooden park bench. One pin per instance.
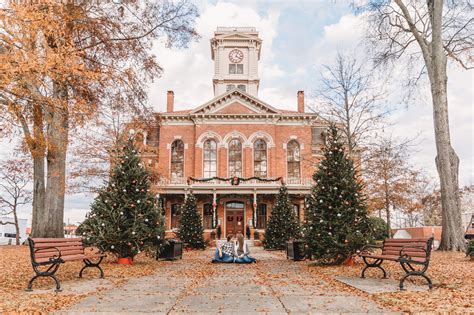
(412, 254)
(49, 253)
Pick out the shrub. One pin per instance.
(379, 228)
(470, 248)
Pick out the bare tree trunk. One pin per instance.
(387, 210)
(56, 158)
(447, 161)
(39, 224)
(15, 219)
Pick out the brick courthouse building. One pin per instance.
(249, 144)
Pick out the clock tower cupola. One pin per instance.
(236, 52)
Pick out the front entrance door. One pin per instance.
(234, 218)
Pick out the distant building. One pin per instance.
(8, 231)
(70, 230)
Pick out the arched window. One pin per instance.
(260, 158)
(261, 216)
(235, 158)
(175, 215)
(210, 158)
(177, 159)
(293, 159)
(207, 216)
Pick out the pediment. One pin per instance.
(235, 36)
(235, 102)
(236, 107)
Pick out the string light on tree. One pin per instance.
(133, 226)
(337, 224)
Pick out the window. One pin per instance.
(260, 158)
(236, 68)
(317, 139)
(235, 158)
(241, 87)
(261, 216)
(234, 205)
(12, 235)
(296, 210)
(177, 159)
(230, 87)
(175, 215)
(210, 158)
(293, 159)
(207, 216)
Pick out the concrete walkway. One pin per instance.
(273, 286)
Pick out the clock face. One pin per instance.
(236, 56)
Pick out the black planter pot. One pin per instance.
(295, 250)
(172, 250)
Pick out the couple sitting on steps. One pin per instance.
(232, 251)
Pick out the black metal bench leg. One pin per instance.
(413, 272)
(30, 283)
(402, 280)
(375, 264)
(89, 264)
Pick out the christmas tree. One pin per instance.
(125, 218)
(190, 228)
(283, 224)
(337, 224)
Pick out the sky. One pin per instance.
(298, 38)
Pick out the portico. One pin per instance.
(231, 206)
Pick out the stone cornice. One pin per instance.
(242, 118)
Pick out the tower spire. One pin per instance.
(236, 52)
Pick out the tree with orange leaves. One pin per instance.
(388, 177)
(61, 62)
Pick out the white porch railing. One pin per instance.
(170, 182)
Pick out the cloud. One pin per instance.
(416, 118)
(297, 38)
(189, 72)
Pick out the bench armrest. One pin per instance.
(53, 259)
(367, 248)
(403, 254)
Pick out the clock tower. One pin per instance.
(236, 52)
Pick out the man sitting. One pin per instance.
(224, 252)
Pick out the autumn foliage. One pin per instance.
(64, 62)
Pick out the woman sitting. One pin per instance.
(242, 252)
(225, 252)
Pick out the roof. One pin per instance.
(253, 103)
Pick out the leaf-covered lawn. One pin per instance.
(16, 271)
(452, 275)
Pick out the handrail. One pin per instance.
(183, 181)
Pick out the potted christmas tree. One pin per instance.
(337, 225)
(125, 217)
(190, 230)
(282, 225)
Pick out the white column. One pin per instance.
(214, 209)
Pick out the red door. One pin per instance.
(234, 222)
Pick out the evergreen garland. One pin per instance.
(235, 180)
(337, 224)
(125, 217)
(190, 230)
(283, 224)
